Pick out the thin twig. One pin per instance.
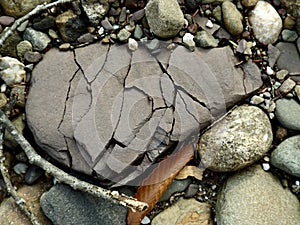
(10, 188)
(62, 176)
(35, 11)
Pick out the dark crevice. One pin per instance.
(186, 108)
(191, 96)
(112, 141)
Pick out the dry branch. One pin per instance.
(10, 188)
(63, 177)
(35, 11)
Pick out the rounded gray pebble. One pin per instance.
(288, 113)
(287, 156)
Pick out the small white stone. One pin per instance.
(271, 115)
(267, 159)
(209, 24)
(12, 70)
(101, 31)
(188, 40)
(145, 220)
(266, 166)
(3, 88)
(269, 70)
(132, 44)
(297, 182)
(276, 85)
(256, 100)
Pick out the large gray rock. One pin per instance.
(164, 17)
(63, 205)
(289, 57)
(266, 22)
(287, 156)
(114, 111)
(254, 196)
(239, 139)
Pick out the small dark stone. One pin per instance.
(191, 190)
(192, 4)
(122, 16)
(33, 174)
(135, 4)
(246, 35)
(138, 15)
(44, 24)
(106, 24)
(6, 20)
(33, 57)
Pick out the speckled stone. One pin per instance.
(266, 23)
(239, 139)
(167, 21)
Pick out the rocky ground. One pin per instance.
(204, 57)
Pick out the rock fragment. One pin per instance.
(232, 18)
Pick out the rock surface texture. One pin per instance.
(63, 205)
(241, 138)
(266, 23)
(254, 196)
(185, 211)
(112, 108)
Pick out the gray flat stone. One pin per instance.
(287, 156)
(288, 113)
(254, 196)
(63, 205)
(112, 103)
(289, 58)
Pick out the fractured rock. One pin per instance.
(114, 111)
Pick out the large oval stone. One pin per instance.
(239, 139)
(107, 110)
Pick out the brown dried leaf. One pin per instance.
(158, 181)
(190, 171)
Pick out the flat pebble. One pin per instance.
(287, 85)
(123, 35)
(289, 58)
(191, 190)
(239, 139)
(33, 57)
(289, 35)
(205, 40)
(297, 91)
(266, 22)
(6, 20)
(288, 113)
(281, 74)
(176, 186)
(33, 174)
(287, 156)
(3, 100)
(86, 38)
(20, 168)
(44, 24)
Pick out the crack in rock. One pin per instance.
(114, 112)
